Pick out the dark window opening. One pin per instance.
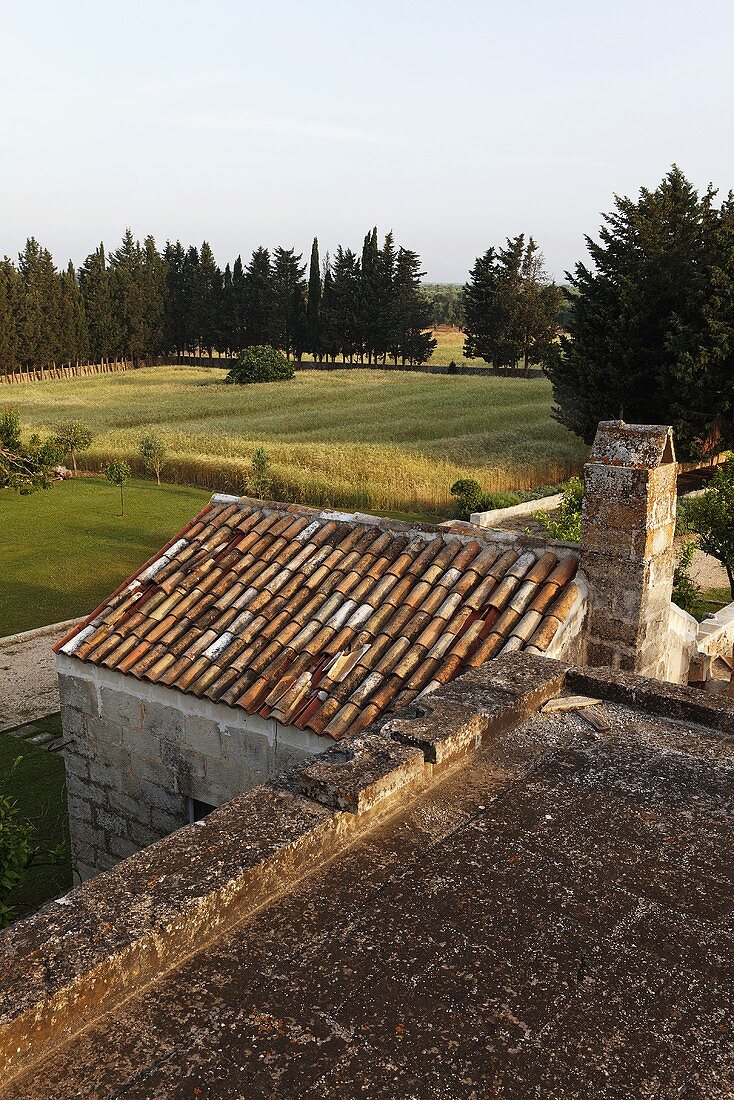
(197, 810)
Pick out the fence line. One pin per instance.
(81, 370)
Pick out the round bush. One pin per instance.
(260, 363)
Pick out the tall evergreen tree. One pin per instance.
(191, 304)
(260, 299)
(289, 297)
(239, 305)
(210, 295)
(174, 322)
(313, 313)
(96, 287)
(11, 297)
(71, 328)
(128, 297)
(38, 319)
(347, 304)
(154, 288)
(411, 338)
(651, 332)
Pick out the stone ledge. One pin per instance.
(361, 773)
(654, 696)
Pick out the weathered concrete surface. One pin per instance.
(28, 683)
(552, 920)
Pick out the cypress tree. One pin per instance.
(239, 305)
(210, 294)
(128, 297)
(313, 316)
(39, 313)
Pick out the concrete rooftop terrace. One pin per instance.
(548, 915)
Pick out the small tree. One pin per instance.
(711, 516)
(153, 452)
(260, 363)
(261, 481)
(117, 474)
(72, 436)
(686, 593)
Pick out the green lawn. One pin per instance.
(66, 548)
(37, 785)
(364, 439)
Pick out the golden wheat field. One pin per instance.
(360, 439)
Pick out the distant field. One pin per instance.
(357, 439)
(449, 345)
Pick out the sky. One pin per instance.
(454, 124)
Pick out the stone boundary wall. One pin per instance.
(526, 508)
(85, 953)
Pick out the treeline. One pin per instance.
(138, 302)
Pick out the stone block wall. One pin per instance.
(134, 754)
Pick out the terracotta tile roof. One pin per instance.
(323, 620)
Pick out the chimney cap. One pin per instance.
(637, 446)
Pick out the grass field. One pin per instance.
(65, 549)
(449, 345)
(36, 784)
(356, 439)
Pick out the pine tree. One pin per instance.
(289, 296)
(71, 328)
(154, 290)
(369, 298)
(191, 322)
(347, 308)
(260, 299)
(329, 341)
(11, 296)
(96, 288)
(480, 305)
(174, 323)
(313, 313)
(39, 314)
(650, 335)
(128, 297)
(411, 338)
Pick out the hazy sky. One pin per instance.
(454, 123)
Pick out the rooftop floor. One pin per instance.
(553, 919)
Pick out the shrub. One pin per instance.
(261, 363)
(566, 526)
(452, 368)
(491, 501)
(469, 496)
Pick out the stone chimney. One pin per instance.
(627, 545)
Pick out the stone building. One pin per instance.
(264, 632)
